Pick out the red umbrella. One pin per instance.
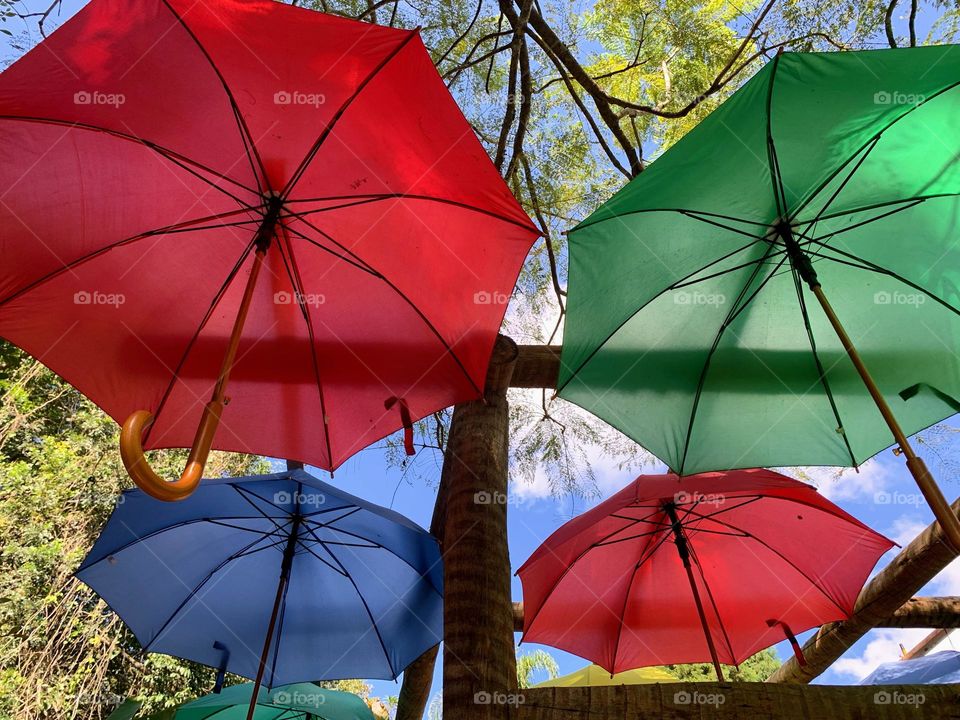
(714, 566)
(245, 189)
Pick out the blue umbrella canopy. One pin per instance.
(936, 668)
(361, 596)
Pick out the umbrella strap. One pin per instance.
(948, 400)
(407, 422)
(797, 650)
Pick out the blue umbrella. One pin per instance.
(937, 668)
(280, 576)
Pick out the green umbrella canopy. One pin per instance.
(300, 701)
(689, 326)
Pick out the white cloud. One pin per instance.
(839, 484)
(884, 646)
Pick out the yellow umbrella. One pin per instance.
(594, 675)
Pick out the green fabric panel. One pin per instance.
(688, 334)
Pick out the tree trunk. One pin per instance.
(479, 661)
(735, 701)
(914, 567)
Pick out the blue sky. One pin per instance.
(882, 494)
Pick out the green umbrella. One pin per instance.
(300, 701)
(698, 320)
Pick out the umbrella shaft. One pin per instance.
(684, 551)
(281, 589)
(928, 487)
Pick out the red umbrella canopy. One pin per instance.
(151, 149)
(769, 556)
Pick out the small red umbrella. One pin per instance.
(713, 567)
(242, 190)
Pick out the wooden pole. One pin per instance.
(479, 660)
(740, 700)
(916, 565)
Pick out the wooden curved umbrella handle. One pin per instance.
(131, 451)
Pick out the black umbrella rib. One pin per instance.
(176, 158)
(325, 133)
(665, 290)
(141, 538)
(772, 160)
(904, 205)
(368, 199)
(578, 558)
(175, 375)
(246, 137)
(383, 645)
(713, 602)
(874, 138)
(644, 556)
(245, 494)
(875, 206)
(413, 306)
(312, 552)
(324, 248)
(192, 592)
(787, 560)
(692, 214)
(821, 372)
(375, 546)
(808, 224)
(869, 266)
(293, 273)
(731, 316)
(185, 226)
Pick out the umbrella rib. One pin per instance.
(176, 158)
(310, 550)
(293, 273)
(884, 271)
(812, 222)
(366, 607)
(245, 136)
(692, 214)
(218, 296)
(626, 597)
(325, 133)
(788, 560)
(373, 198)
(731, 316)
(185, 226)
(413, 307)
(772, 159)
(245, 493)
(192, 593)
(821, 372)
(561, 386)
(871, 139)
(906, 205)
(344, 258)
(713, 602)
(375, 546)
(150, 535)
(874, 206)
(573, 562)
